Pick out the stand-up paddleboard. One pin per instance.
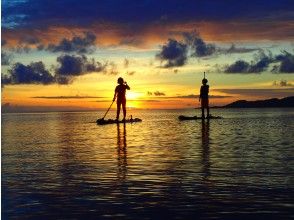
(184, 118)
(112, 121)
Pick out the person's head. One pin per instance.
(120, 80)
(204, 81)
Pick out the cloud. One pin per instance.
(283, 83)
(22, 48)
(71, 65)
(112, 69)
(174, 53)
(5, 79)
(198, 46)
(156, 93)
(23, 13)
(130, 41)
(286, 60)
(192, 96)
(3, 42)
(240, 66)
(234, 49)
(5, 58)
(33, 73)
(260, 64)
(77, 44)
(30, 39)
(130, 73)
(285, 64)
(67, 97)
(126, 63)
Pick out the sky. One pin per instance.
(68, 54)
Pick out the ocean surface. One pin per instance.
(64, 166)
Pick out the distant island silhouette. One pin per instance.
(267, 103)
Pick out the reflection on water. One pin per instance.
(122, 161)
(205, 149)
(64, 166)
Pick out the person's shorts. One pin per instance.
(121, 101)
(204, 103)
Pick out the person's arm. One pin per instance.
(200, 94)
(127, 86)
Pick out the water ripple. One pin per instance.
(60, 166)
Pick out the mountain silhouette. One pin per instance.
(268, 103)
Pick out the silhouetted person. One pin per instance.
(120, 94)
(204, 90)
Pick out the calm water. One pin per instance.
(64, 166)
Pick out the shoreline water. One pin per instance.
(58, 165)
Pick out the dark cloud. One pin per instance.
(34, 73)
(71, 65)
(156, 93)
(240, 66)
(5, 58)
(77, 44)
(198, 46)
(260, 64)
(283, 83)
(75, 13)
(5, 79)
(174, 54)
(286, 60)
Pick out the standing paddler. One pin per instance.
(120, 96)
(203, 97)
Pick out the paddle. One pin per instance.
(101, 119)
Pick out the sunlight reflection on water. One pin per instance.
(64, 165)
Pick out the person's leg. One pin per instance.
(202, 110)
(124, 108)
(117, 109)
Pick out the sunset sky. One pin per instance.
(68, 54)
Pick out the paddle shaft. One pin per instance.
(108, 109)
